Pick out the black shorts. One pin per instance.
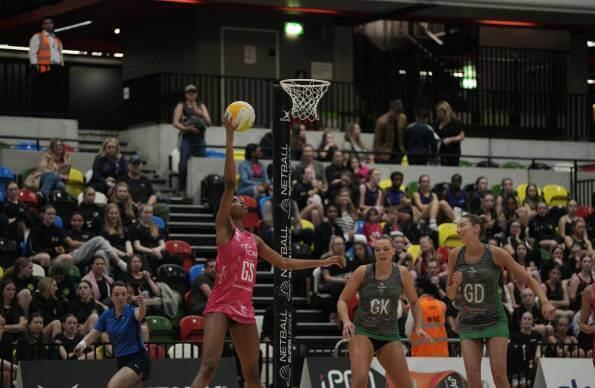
(139, 362)
(378, 344)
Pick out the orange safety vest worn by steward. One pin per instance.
(44, 53)
(434, 323)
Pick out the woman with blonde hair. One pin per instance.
(52, 171)
(450, 131)
(115, 233)
(354, 144)
(108, 165)
(121, 197)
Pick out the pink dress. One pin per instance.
(236, 276)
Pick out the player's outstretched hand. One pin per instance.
(548, 311)
(348, 329)
(334, 260)
(229, 127)
(423, 335)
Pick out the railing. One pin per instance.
(585, 192)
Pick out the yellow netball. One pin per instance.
(241, 114)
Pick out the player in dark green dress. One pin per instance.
(474, 272)
(376, 330)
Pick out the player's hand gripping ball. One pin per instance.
(241, 114)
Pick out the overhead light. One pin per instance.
(293, 29)
(118, 55)
(457, 74)
(591, 81)
(73, 26)
(321, 11)
(13, 48)
(72, 52)
(507, 23)
(402, 72)
(117, 31)
(181, 1)
(591, 43)
(96, 53)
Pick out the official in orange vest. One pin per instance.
(433, 322)
(45, 48)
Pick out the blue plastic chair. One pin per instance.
(215, 154)
(58, 222)
(27, 146)
(6, 175)
(159, 222)
(195, 271)
(359, 227)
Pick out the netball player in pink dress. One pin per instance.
(230, 302)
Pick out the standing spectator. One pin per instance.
(419, 139)
(354, 145)
(388, 134)
(450, 131)
(426, 202)
(370, 193)
(49, 306)
(327, 146)
(298, 140)
(68, 338)
(542, 228)
(47, 61)
(47, 241)
(128, 210)
(254, 179)
(52, 171)
(433, 314)
(191, 118)
(524, 350)
(108, 165)
(99, 280)
(140, 188)
(92, 213)
(32, 346)
(85, 308)
(326, 230)
(201, 288)
(15, 322)
(481, 189)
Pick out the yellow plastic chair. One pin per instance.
(306, 224)
(385, 184)
(239, 155)
(415, 251)
(447, 235)
(555, 195)
(1, 273)
(75, 183)
(404, 161)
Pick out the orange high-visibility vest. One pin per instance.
(433, 322)
(44, 54)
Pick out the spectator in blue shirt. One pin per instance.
(419, 139)
(254, 180)
(123, 325)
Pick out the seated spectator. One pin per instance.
(370, 193)
(52, 171)
(47, 240)
(419, 139)
(327, 146)
(354, 145)
(347, 212)
(115, 233)
(108, 165)
(590, 221)
(528, 303)
(51, 308)
(562, 343)
(122, 198)
(92, 213)
(266, 145)
(488, 210)
(85, 308)
(68, 338)
(395, 198)
(481, 189)
(450, 131)
(326, 230)
(574, 261)
(426, 202)
(566, 221)
(372, 227)
(306, 195)
(307, 162)
(8, 370)
(524, 350)
(515, 235)
(141, 281)
(579, 236)
(428, 253)
(456, 202)
(360, 253)
(21, 274)
(298, 140)
(360, 171)
(387, 146)
(148, 240)
(334, 278)
(334, 171)
(254, 180)
(15, 322)
(16, 213)
(65, 289)
(99, 280)
(510, 211)
(579, 281)
(506, 192)
(558, 258)
(400, 243)
(140, 188)
(528, 208)
(525, 257)
(76, 235)
(32, 346)
(436, 277)
(201, 288)
(542, 228)
(557, 291)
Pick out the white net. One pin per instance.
(305, 95)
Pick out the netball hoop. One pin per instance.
(305, 95)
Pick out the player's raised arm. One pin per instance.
(223, 224)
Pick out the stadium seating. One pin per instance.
(415, 251)
(584, 211)
(555, 195)
(27, 146)
(183, 351)
(6, 175)
(192, 328)
(411, 188)
(58, 222)
(1, 273)
(442, 254)
(195, 271)
(160, 329)
(160, 223)
(29, 198)
(385, 184)
(447, 235)
(183, 250)
(156, 352)
(75, 183)
(316, 277)
(306, 224)
(100, 199)
(496, 189)
(38, 271)
(175, 276)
